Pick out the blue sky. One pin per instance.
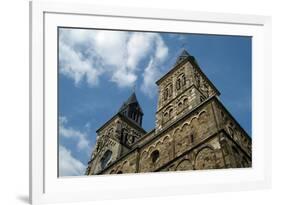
(98, 70)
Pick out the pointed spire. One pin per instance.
(132, 109)
(132, 99)
(184, 54)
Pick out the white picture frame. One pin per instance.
(46, 187)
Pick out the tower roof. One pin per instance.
(184, 54)
(131, 100)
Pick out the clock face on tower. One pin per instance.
(105, 158)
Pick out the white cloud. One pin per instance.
(138, 47)
(161, 49)
(88, 54)
(110, 46)
(70, 133)
(68, 165)
(74, 66)
(124, 78)
(150, 75)
(153, 72)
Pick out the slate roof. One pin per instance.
(131, 100)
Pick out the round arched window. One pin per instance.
(105, 158)
(154, 156)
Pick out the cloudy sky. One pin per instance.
(98, 70)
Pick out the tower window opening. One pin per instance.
(178, 84)
(170, 113)
(185, 101)
(180, 104)
(170, 90)
(124, 134)
(191, 138)
(166, 94)
(183, 80)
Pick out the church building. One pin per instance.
(193, 130)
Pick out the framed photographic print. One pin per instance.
(131, 103)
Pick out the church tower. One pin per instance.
(117, 136)
(183, 88)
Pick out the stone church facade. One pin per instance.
(193, 131)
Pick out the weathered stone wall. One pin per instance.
(234, 155)
(143, 140)
(184, 135)
(128, 164)
(196, 141)
(233, 129)
(207, 155)
(179, 138)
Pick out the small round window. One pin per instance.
(154, 156)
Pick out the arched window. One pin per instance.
(124, 134)
(191, 138)
(185, 101)
(165, 117)
(170, 113)
(180, 105)
(178, 84)
(170, 90)
(105, 159)
(135, 116)
(183, 80)
(154, 156)
(166, 93)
